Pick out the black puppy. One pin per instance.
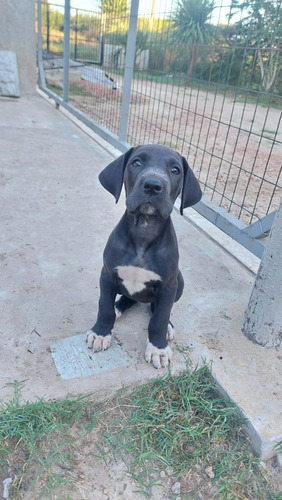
(141, 256)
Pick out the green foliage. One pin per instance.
(115, 8)
(261, 28)
(86, 25)
(191, 21)
(56, 19)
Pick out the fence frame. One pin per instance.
(252, 237)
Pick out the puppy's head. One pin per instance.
(153, 177)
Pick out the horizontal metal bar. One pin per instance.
(229, 225)
(261, 228)
(98, 129)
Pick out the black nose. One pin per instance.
(152, 186)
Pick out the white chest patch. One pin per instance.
(135, 278)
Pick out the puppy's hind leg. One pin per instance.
(122, 304)
(170, 331)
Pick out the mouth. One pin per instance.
(145, 208)
(149, 209)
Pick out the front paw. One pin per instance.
(97, 342)
(158, 357)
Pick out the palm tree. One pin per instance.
(191, 22)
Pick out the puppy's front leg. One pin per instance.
(99, 337)
(157, 351)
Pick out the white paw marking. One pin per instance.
(97, 342)
(170, 332)
(158, 357)
(135, 278)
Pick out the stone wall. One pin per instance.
(17, 34)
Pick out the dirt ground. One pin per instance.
(87, 477)
(96, 480)
(233, 146)
(112, 482)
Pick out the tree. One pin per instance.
(115, 8)
(260, 27)
(192, 27)
(114, 15)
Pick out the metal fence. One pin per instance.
(214, 94)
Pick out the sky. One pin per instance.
(145, 7)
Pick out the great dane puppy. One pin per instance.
(141, 255)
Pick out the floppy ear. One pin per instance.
(111, 177)
(191, 191)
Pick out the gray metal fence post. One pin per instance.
(128, 70)
(41, 74)
(263, 318)
(66, 63)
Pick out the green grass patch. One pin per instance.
(82, 51)
(267, 131)
(57, 89)
(77, 90)
(173, 429)
(262, 99)
(35, 441)
(182, 425)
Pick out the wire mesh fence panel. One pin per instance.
(204, 96)
(98, 93)
(207, 82)
(91, 89)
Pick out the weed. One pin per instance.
(265, 130)
(169, 144)
(261, 99)
(34, 436)
(181, 424)
(56, 88)
(77, 90)
(278, 447)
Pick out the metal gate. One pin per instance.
(215, 110)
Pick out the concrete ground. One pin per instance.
(55, 220)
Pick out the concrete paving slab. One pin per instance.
(9, 78)
(55, 220)
(73, 358)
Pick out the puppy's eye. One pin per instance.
(136, 163)
(175, 170)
